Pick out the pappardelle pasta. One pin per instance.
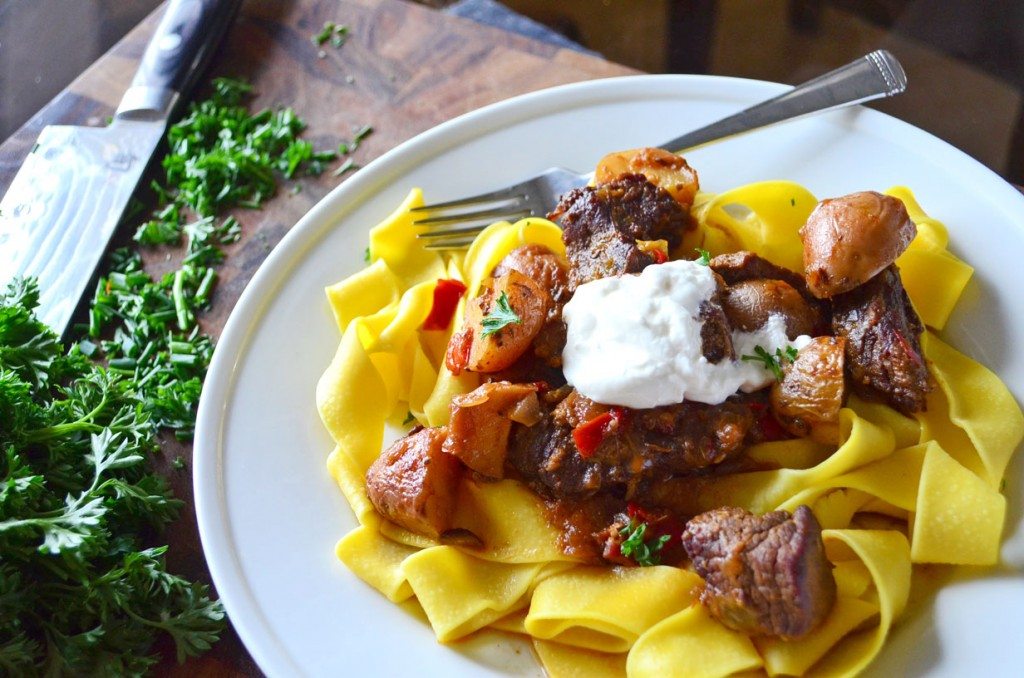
(614, 565)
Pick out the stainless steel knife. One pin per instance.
(66, 200)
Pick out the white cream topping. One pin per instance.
(634, 340)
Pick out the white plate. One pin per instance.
(270, 515)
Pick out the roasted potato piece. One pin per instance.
(481, 421)
(749, 304)
(808, 399)
(850, 239)
(478, 347)
(662, 168)
(413, 483)
(540, 264)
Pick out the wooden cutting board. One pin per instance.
(404, 69)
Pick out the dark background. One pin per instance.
(964, 58)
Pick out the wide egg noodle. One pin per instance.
(568, 661)
(377, 561)
(933, 277)
(768, 222)
(691, 643)
(979, 403)
(607, 609)
(462, 594)
(929, 481)
(762, 491)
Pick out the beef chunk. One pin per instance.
(763, 574)
(736, 267)
(413, 482)
(602, 224)
(715, 330)
(883, 342)
(638, 447)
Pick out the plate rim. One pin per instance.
(212, 514)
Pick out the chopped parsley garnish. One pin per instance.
(500, 317)
(336, 33)
(347, 166)
(772, 362)
(84, 590)
(705, 257)
(633, 546)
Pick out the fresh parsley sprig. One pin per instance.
(500, 316)
(82, 589)
(635, 547)
(704, 257)
(772, 362)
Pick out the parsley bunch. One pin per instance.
(82, 590)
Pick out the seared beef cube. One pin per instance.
(481, 421)
(764, 575)
(413, 482)
(637, 446)
(602, 224)
(715, 331)
(735, 267)
(883, 342)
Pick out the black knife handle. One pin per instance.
(184, 40)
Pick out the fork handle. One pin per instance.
(872, 76)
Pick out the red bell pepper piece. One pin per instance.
(447, 293)
(589, 434)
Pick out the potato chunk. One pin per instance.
(413, 483)
(808, 399)
(850, 239)
(477, 349)
(481, 421)
(662, 168)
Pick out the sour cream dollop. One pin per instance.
(634, 340)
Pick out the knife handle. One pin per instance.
(184, 41)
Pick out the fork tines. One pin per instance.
(504, 205)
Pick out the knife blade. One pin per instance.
(68, 197)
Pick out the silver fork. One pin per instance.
(872, 76)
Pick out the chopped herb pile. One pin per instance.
(221, 156)
(633, 546)
(500, 317)
(704, 258)
(81, 590)
(772, 362)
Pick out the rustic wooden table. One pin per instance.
(404, 69)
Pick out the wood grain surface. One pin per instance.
(404, 69)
